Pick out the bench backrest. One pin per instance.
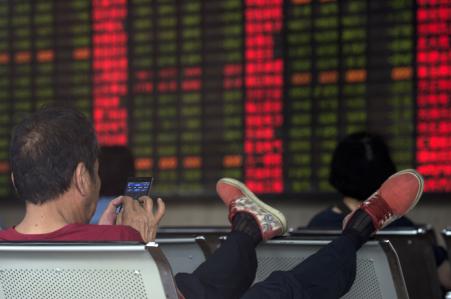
(68, 270)
(414, 247)
(378, 270)
(184, 254)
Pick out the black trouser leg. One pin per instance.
(227, 274)
(329, 273)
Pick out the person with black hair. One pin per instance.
(54, 168)
(116, 165)
(360, 163)
(54, 163)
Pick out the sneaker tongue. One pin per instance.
(379, 210)
(238, 203)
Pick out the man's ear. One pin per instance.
(81, 179)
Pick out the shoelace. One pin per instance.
(379, 207)
(233, 208)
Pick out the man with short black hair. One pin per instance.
(54, 162)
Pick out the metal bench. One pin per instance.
(211, 234)
(184, 254)
(84, 270)
(378, 270)
(413, 246)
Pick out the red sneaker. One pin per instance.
(395, 198)
(238, 198)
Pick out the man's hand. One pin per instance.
(140, 216)
(109, 215)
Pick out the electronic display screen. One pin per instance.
(261, 91)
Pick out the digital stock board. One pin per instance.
(257, 90)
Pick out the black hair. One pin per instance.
(45, 150)
(360, 164)
(116, 164)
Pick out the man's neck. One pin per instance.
(46, 218)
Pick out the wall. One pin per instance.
(434, 211)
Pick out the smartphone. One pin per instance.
(137, 187)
